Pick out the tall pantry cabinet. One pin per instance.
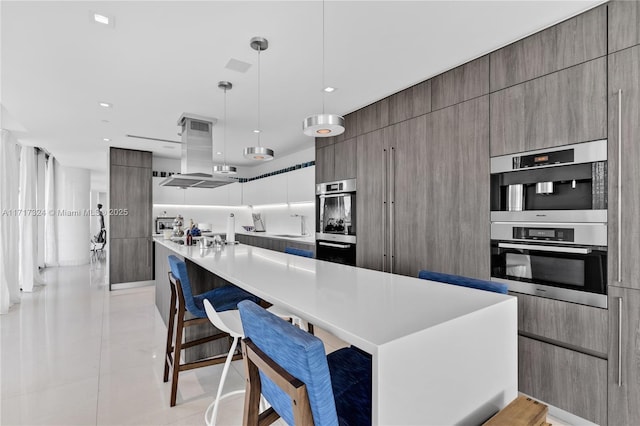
(624, 212)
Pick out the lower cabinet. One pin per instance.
(275, 244)
(624, 356)
(570, 380)
(130, 260)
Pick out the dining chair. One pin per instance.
(289, 368)
(184, 302)
(463, 281)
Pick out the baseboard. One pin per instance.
(124, 286)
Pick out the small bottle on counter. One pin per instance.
(189, 238)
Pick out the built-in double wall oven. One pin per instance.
(336, 221)
(549, 222)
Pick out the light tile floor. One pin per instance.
(73, 353)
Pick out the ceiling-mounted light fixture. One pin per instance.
(258, 153)
(323, 125)
(224, 169)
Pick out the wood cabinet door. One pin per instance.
(561, 108)
(567, 379)
(624, 356)
(130, 202)
(457, 219)
(372, 172)
(624, 24)
(130, 260)
(345, 163)
(408, 173)
(325, 164)
(624, 76)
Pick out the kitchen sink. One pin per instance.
(289, 235)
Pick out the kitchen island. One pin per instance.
(441, 354)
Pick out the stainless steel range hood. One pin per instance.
(197, 155)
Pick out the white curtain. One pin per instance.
(50, 241)
(28, 219)
(9, 212)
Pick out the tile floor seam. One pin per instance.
(104, 302)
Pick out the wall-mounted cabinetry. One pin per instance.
(292, 187)
(130, 190)
(624, 227)
(227, 195)
(624, 24)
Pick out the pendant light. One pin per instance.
(323, 125)
(259, 153)
(224, 169)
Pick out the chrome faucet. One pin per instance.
(303, 223)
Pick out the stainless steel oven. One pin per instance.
(336, 221)
(564, 261)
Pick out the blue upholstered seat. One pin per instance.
(464, 281)
(222, 298)
(299, 252)
(338, 384)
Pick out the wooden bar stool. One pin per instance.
(182, 301)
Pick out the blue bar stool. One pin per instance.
(302, 384)
(463, 281)
(298, 252)
(183, 301)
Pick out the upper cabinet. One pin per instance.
(301, 185)
(409, 103)
(372, 117)
(465, 82)
(624, 111)
(564, 107)
(336, 162)
(569, 43)
(624, 24)
(226, 195)
(269, 190)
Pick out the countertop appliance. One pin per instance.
(164, 223)
(564, 261)
(336, 221)
(566, 184)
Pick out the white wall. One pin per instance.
(279, 163)
(216, 216)
(278, 220)
(73, 196)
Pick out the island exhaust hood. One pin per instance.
(197, 155)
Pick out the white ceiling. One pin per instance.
(163, 58)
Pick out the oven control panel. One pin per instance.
(543, 234)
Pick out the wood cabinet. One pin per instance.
(570, 324)
(337, 161)
(372, 117)
(130, 221)
(418, 203)
(624, 76)
(624, 353)
(345, 160)
(460, 84)
(371, 200)
(457, 207)
(276, 244)
(411, 102)
(325, 163)
(624, 24)
(569, 43)
(567, 379)
(565, 107)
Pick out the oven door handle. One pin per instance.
(341, 246)
(576, 250)
(341, 194)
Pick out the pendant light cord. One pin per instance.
(224, 143)
(323, 64)
(259, 129)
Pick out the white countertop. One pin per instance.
(364, 307)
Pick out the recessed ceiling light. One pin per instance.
(106, 139)
(101, 19)
(256, 131)
(329, 89)
(219, 153)
(105, 121)
(105, 104)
